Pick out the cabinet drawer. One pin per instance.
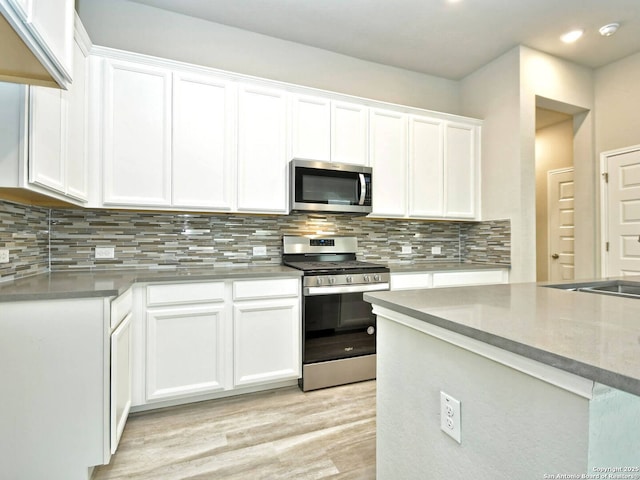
(411, 280)
(482, 277)
(120, 307)
(254, 289)
(177, 293)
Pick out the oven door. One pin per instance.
(337, 326)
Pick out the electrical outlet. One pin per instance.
(406, 249)
(450, 419)
(4, 255)
(436, 250)
(260, 251)
(104, 253)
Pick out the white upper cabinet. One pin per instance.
(45, 27)
(311, 128)
(262, 147)
(203, 142)
(426, 167)
(349, 133)
(46, 130)
(136, 134)
(460, 170)
(48, 114)
(327, 130)
(388, 155)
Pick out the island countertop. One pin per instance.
(594, 336)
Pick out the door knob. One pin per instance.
(555, 256)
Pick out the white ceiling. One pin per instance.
(437, 37)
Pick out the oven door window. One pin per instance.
(338, 326)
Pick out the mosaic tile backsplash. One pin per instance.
(24, 231)
(66, 239)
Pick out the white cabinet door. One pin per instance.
(48, 113)
(185, 351)
(426, 168)
(203, 142)
(137, 135)
(310, 129)
(52, 21)
(388, 155)
(121, 372)
(460, 170)
(262, 147)
(349, 133)
(266, 341)
(77, 167)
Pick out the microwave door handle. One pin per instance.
(363, 189)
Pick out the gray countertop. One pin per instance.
(111, 282)
(107, 283)
(594, 336)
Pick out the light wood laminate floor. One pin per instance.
(280, 434)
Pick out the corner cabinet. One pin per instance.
(45, 27)
(47, 135)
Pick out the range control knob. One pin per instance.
(332, 280)
(371, 330)
(376, 277)
(349, 279)
(319, 280)
(366, 278)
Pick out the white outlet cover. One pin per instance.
(4, 255)
(450, 416)
(436, 250)
(105, 252)
(406, 249)
(260, 251)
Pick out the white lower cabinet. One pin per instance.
(120, 380)
(454, 278)
(185, 347)
(207, 339)
(266, 331)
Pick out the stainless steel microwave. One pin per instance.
(330, 187)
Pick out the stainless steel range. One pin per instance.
(339, 329)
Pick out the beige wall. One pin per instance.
(554, 150)
(492, 93)
(617, 92)
(143, 29)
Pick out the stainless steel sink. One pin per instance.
(619, 288)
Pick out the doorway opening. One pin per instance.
(554, 195)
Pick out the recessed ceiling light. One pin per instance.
(571, 36)
(608, 30)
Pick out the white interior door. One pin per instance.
(622, 214)
(561, 224)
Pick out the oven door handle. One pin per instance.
(313, 291)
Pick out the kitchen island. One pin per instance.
(548, 382)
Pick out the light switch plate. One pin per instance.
(104, 252)
(436, 250)
(4, 255)
(406, 249)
